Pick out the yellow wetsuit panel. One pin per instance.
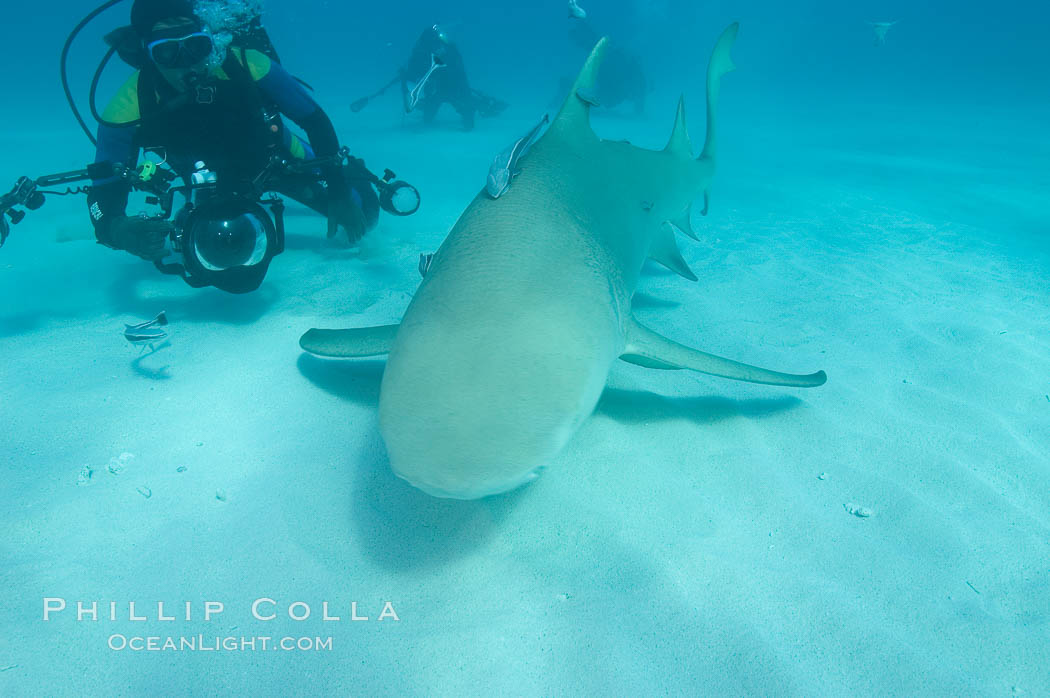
(258, 63)
(124, 107)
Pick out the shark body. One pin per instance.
(506, 346)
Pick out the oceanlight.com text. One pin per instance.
(213, 643)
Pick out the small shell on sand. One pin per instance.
(220, 495)
(117, 464)
(858, 511)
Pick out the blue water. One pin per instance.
(879, 212)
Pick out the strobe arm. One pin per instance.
(23, 194)
(27, 192)
(396, 197)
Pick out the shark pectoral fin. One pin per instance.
(707, 202)
(664, 250)
(357, 343)
(683, 224)
(647, 348)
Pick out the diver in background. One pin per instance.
(437, 76)
(193, 108)
(621, 78)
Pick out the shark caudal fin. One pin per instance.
(574, 119)
(719, 64)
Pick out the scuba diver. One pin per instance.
(207, 99)
(435, 75)
(215, 114)
(621, 78)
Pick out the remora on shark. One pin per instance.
(506, 346)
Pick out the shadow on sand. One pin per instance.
(401, 528)
(644, 301)
(639, 406)
(395, 525)
(181, 301)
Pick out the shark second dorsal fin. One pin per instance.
(679, 142)
(574, 120)
(664, 250)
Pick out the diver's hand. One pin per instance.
(141, 236)
(343, 211)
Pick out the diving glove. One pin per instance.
(141, 236)
(343, 211)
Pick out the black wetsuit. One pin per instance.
(448, 84)
(232, 124)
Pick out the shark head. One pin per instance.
(478, 403)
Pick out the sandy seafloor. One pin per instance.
(693, 538)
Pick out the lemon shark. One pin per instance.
(507, 344)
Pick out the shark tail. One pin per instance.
(719, 64)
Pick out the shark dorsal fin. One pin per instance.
(574, 121)
(679, 143)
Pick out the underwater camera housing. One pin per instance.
(227, 241)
